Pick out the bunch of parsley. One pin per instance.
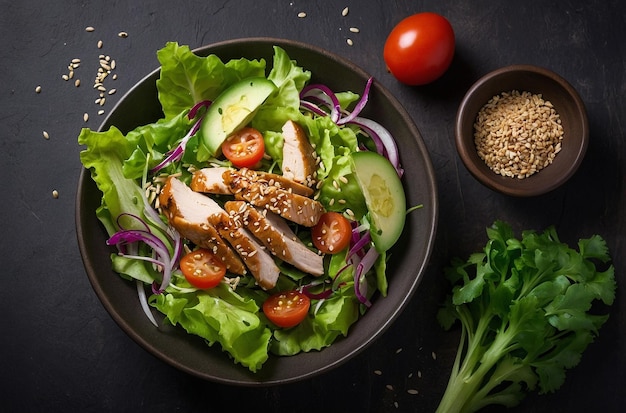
(528, 309)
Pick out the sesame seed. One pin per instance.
(434, 355)
(77, 82)
(55, 194)
(65, 77)
(38, 89)
(112, 91)
(122, 34)
(345, 11)
(354, 30)
(389, 387)
(412, 391)
(302, 15)
(100, 44)
(350, 42)
(89, 29)
(46, 135)
(378, 372)
(86, 116)
(101, 112)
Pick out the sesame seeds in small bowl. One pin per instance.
(522, 130)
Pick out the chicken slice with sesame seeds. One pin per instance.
(212, 225)
(276, 235)
(259, 192)
(299, 159)
(257, 259)
(188, 213)
(211, 181)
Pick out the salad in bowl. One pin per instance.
(259, 211)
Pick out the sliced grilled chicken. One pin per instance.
(299, 159)
(212, 225)
(257, 259)
(289, 205)
(211, 181)
(189, 212)
(276, 235)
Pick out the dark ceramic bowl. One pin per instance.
(410, 255)
(567, 104)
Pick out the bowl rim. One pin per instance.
(507, 185)
(338, 357)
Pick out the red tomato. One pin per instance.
(202, 268)
(332, 233)
(286, 309)
(244, 148)
(420, 48)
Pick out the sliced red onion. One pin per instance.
(134, 217)
(194, 110)
(176, 153)
(130, 236)
(358, 246)
(312, 107)
(362, 268)
(143, 300)
(327, 96)
(381, 136)
(306, 290)
(359, 106)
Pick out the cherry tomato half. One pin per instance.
(420, 48)
(286, 309)
(332, 233)
(202, 268)
(244, 148)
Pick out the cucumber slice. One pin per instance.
(384, 197)
(233, 109)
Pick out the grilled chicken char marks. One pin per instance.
(248, 186)
(276, 235)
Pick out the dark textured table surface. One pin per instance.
(61, 351)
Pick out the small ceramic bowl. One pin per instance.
(536, 81)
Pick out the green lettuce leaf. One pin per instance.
(187, 79)
(220, 315)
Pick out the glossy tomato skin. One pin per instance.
(244, 148)
(202, 268)
(332, 233)
(287, 308)
(420, 48)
